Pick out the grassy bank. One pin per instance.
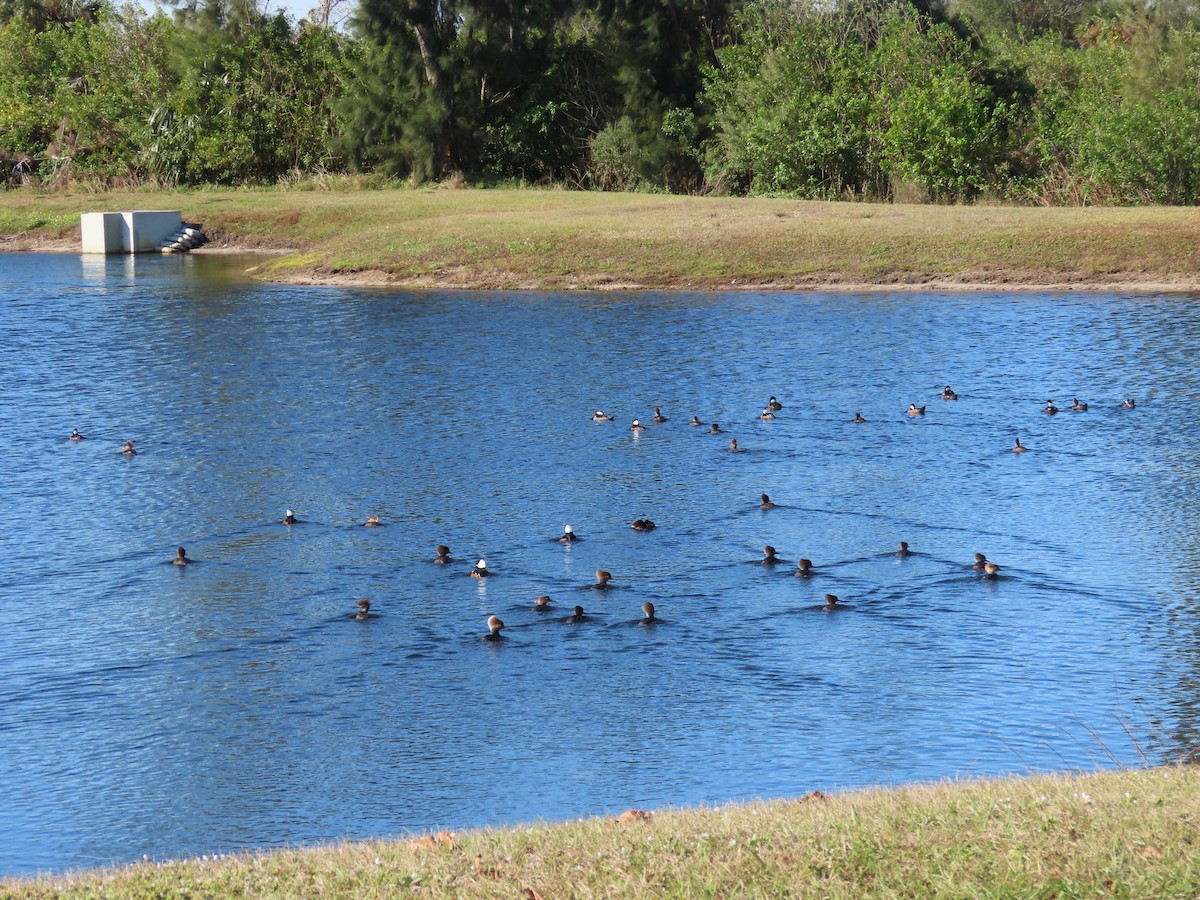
(1130, 834)
(558, 239)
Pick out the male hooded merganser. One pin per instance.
(568, 536)
(75, 435)
(767, 503)
(289, 518)
(541, 604)
(480, 570)
(769, 557)
(774, 405)
(1018, 447)
(1050, 409)
(494, 628)
(914, 410)
(767, 415)
(127, 449)
(904, 551)
(804, 568)
(637, 426)
(601, 417)
(695, 421)
(443, 554)
(648, 614)
(181, 558)
(364, 609)
(372, 522)
(1129, 403)
(948, 394)
(658, 416)
(602, 580)
(1077, 406)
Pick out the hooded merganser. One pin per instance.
(948, 394)
(658, 416)
(289, 518)
(443, 554)
(495, 626)
(480, 570)
(181, 558)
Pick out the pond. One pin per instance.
(236, 702)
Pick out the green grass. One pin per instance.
(560, 239)
(1127, 834)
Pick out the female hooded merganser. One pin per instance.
(904, 551)
(695, 421)
(831, 602)
(1077, 406)
(858, 417)
(364, 609)
(948, 394)
(714, 428)
(1018, 447)
(127, 449)
(602, 580)
(494, 628)
(914, 410)
(769, 557)
(601, 417)
(637, 426)
(642, 525)
(480, 570)
(1129, 403)
(658, 416)
(991, 570)
(1050, 409)
(443, 554)
(289, 518)
(181, 558)
(541, 604)
(767, 503)
(733, 447)
(804, 568)
(75, 435)
(577, 616)
(767, 415)
(568, 536)
(980, 562)
(774, 405)
(372, 522)
(648, 614)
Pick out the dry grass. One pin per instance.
(559, 239)
(1130, 834)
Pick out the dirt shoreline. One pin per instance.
(1013, 281)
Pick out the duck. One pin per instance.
(577, 615)
(181, 557)
(642, 525)
(443, 555)
(1129, 403)
(364, 609)
(289, 518)
(658, 416)
(948, 394)
(1018, 447)
(767, 502)
(542, 603)
(637, 426)
(495, 626)
(774, 405)
(904, 551)
(601, 416)
(127, 449)
(602, 580)
(831, 602)
(1077, 406)
(980, 562)
(480, 570)
(648, 614)
(1050, 409)
(75, 435)
(767, 415)
(372, 522)
(769, 557)
(714, 428)
(695, 421)
(914, 410)
(991, 570)
(858, 418)
(733, 447)
(568, 536)
(804, 568)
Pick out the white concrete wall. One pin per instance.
(140, 231)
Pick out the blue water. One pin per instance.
(152, 709)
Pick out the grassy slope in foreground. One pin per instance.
(1126, 834)
(559, 239)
